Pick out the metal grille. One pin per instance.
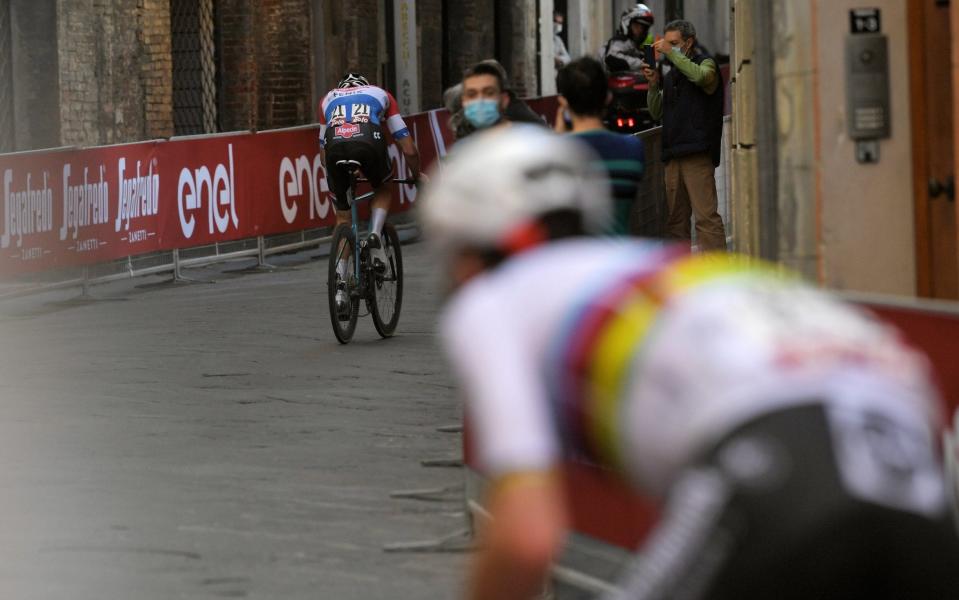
(6, 81)
(194, 66)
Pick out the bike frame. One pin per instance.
(367, 281)
(354, 218)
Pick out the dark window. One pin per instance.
(193, 34)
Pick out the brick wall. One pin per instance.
(115, 71)
(122, 119)
(265, 64)
(239, 83)
(156, 68)
(283, 54)
(354, 36)
(470, 35)
(429, 14)
(352, 39)
(80, 40)
(101, 71)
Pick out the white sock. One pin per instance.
(377, 221)
(341, 268)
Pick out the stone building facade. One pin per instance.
(93, 72)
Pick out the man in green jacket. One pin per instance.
(690, 104)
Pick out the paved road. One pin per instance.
(214, 441)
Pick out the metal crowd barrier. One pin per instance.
(174, 261)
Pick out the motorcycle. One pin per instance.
(627, 112)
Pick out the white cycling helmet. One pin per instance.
(641, 13)
(353, 80)
(494, 186)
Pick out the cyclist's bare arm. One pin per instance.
(490, 347)
(408, 146)
(519, 544)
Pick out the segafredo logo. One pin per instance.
(139, 194)
(217, 189)
(27, 209)
(86, 202)
(298, 178)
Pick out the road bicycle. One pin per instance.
(381, 289)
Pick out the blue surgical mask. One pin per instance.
(482, 113)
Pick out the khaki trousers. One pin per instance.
(691, 190)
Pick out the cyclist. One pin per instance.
(624, 51)
(792, 437)
(351, 119)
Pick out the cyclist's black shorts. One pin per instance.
(362, 142)
(806, 503)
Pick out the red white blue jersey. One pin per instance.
(365, 104)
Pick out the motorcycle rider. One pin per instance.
(624, 51)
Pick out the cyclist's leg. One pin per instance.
(339, 183)
(338, 180)
(378, 169)
(380, 209)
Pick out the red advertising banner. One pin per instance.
(66, 208)
(545, 107)
(75, 207)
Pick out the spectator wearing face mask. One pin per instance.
(490, 83)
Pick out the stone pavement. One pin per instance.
(214, 440)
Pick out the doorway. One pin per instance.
(932, 26)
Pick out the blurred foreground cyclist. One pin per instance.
(792, 438)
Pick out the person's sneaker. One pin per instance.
(377, 254)
(342, 300)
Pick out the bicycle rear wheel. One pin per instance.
(386, 288)
(342, 248)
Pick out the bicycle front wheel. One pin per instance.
(386, 288)
(343, 280)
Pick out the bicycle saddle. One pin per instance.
(351, 166)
